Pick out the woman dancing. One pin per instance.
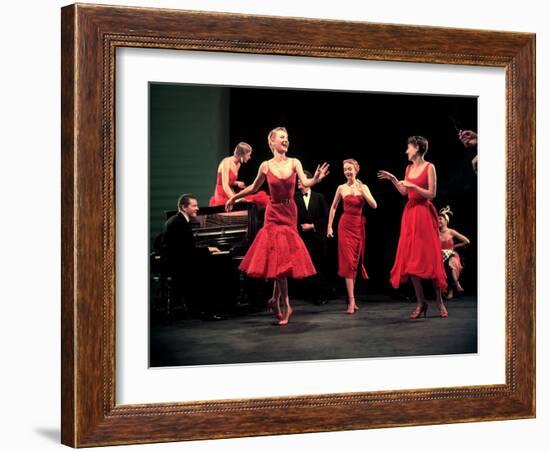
(228, 171)
(418, 254)
(278, 252)
(451, 258)
(351, 228)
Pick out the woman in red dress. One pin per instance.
(451, 258)
(418, 254)
(278, 251)
(228, 171)
(351, 228)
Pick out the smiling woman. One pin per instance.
(418, 253)
(105, 323)
(278, 252)
(351, 228)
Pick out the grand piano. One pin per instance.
(231, 232)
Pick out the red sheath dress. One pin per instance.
(351, 238)
(278, 251)
(219, 198)
(418, 249)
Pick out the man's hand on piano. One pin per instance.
(214, 249)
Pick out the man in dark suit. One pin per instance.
(312, 227)
(184, 261)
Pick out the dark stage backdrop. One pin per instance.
(323, 126)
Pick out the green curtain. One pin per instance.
(188, 136)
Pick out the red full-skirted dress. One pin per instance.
(351, 238)
(418, 249)
(278, 251)
(219, 198)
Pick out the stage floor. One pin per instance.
(381, 328)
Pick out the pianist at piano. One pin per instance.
(183, 260)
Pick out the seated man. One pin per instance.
(183, 260)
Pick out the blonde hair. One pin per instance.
(353, 162)
(242, 149)
(445, 212)
(270, 135)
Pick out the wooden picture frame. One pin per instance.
(90, 37)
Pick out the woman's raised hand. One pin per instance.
(321, 172)
(385, 175)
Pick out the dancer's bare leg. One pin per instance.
(442, 309)
(287, 310)
(350, 285)
(418, 290)
(272, 302)
(421, 305)
(455, 272)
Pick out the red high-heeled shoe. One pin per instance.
(443, 311)
(417, 313)
(285, 319)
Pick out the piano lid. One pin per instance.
(217, 218)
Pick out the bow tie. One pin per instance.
(305, 195)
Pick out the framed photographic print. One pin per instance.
(281, 225)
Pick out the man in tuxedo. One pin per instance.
(184, 261)
(312, 227)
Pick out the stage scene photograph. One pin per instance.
(298, 225)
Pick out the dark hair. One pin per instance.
(308, 174)
(185, 199)
(420, 142)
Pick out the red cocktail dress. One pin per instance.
(418, 249)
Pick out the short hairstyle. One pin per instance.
(185, 199)
(242, 149)
(445, 212)
(353, 162)
(420, 142)
(270, 136)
